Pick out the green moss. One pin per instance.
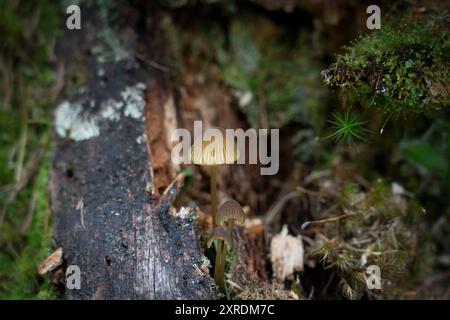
(27, 27)
(24, 251)
(382, 228)
(25, 232)
(401, 68)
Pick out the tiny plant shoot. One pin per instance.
(347, 127)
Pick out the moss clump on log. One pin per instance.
(402, 68)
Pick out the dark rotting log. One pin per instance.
(125, 239)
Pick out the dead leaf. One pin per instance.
(51, 262)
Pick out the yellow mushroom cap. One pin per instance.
(230, 209)
(215, 151)
(219, 233)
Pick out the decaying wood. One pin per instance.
(249, 245)
(110, 164)
(161, 110)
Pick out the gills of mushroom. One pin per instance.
(219, 233)
(229, 212)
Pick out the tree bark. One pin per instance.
(111, 219)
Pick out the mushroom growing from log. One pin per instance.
(229, 212)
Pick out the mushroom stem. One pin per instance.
(222, 267)
(223, 262)
(221, 258)
(218, 272)
(217, 277)
(214, 195)
(230, 227)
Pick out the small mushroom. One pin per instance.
(219, 233)
(229, 212)
(213, 153)
(217, 151)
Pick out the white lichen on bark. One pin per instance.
(110, 109)
(134, 101)
(70, 122)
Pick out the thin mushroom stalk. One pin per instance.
(222, 237)
(220, 243)
(218, 270)
(222, 255)
(213, 187)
